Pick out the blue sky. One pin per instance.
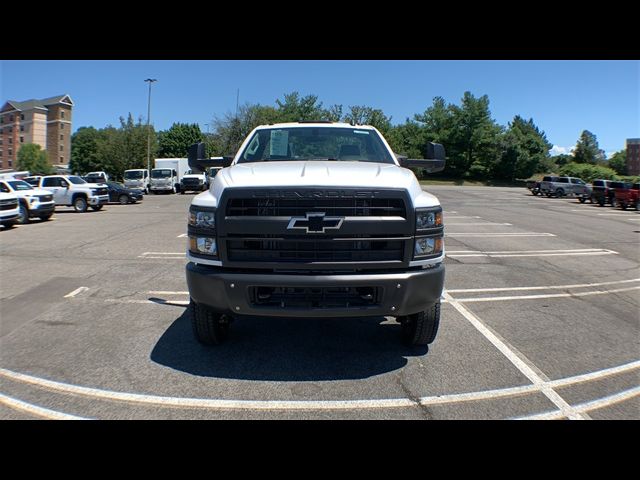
(563, 97)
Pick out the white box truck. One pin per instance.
(167, 174)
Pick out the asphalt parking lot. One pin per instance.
(540, 320)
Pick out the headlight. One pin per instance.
(203, 245)
(202, 218)
(428, 219)
(427, 246)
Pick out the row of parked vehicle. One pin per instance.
(24, 198)
(602, 192)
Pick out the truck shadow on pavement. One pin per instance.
(289, 349)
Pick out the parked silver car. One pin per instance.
(563, 186)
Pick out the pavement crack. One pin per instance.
(424, 411)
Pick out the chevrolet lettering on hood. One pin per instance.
(314, 194)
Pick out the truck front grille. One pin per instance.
(8, 204)
(191, 181)
(343, 207)
(325, 250)
(45, 198)
(314, 297)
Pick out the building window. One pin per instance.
(22, 128)
(21, 139)
(11, 118)
(61, 148)
(61, 137)
(10, 152)
(10, 129)
(10, 163)
(10, 140)
(22, 116)
(61, 113)
(62, 126)
(61, 159)
(1, 118)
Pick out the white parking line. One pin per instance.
(511, 234)
(76, 292)
(476, 224)
(550, 295)
(154, 302)
(311, 405)
(588, 406)
(523, 364)
(548, 253)
(164, 292)
(182, 235)
(543, 287)
(37, 411)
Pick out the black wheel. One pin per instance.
(45, 217)
(637, 205)
(559, 193)
(123, 199)
(97, 207)
(80, 204)
(182, 192)
(592, 199)
(209, 327)
(623, 205)
(24, 215)
(9, 224)
(601, 202)
(582, 199)
(421, 328)
(614, 203)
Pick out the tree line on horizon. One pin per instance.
(477, 146)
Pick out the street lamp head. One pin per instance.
(151, 80)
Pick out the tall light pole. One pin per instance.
(150, 80)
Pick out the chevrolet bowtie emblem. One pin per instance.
(315, 223)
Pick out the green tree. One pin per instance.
(31, 157)
(294, 108)
(618, 162)
(587, 149)
(85, 150)
(363, 115)
(523, 148)
(175, 142)
(407, 139)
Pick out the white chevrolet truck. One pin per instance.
(315, 220)
(73, 191)
(9, 209)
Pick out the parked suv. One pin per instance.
(626, 195)
(33, 202)
(602, 192)
(71, 190)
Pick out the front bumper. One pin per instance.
(40, 208)
(229, 291)
(99, 200)
(161, 187)
(8, 215)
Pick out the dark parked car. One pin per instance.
(120, 194)
(603, 191)
(95, 179)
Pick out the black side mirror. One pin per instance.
(435, 161)
(198, 161)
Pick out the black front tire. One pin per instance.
(421, 328)
(209, 327)
(9, 224)
(123, 199)
(45, 217)
(582, 199)
(23, 219)
(80, 205)
(97, 207)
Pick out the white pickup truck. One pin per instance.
(9, 209)
(315, 220)
(33, 202)
(73, 191)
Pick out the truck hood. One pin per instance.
(317, 173)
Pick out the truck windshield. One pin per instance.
(164, 173)
(133, 175)
(20, 185)
(76, 180)
(316, 143)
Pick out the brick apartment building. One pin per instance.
(46, 122)
(633, 156)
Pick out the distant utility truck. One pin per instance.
(167, 174)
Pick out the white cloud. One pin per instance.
(558, 150)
